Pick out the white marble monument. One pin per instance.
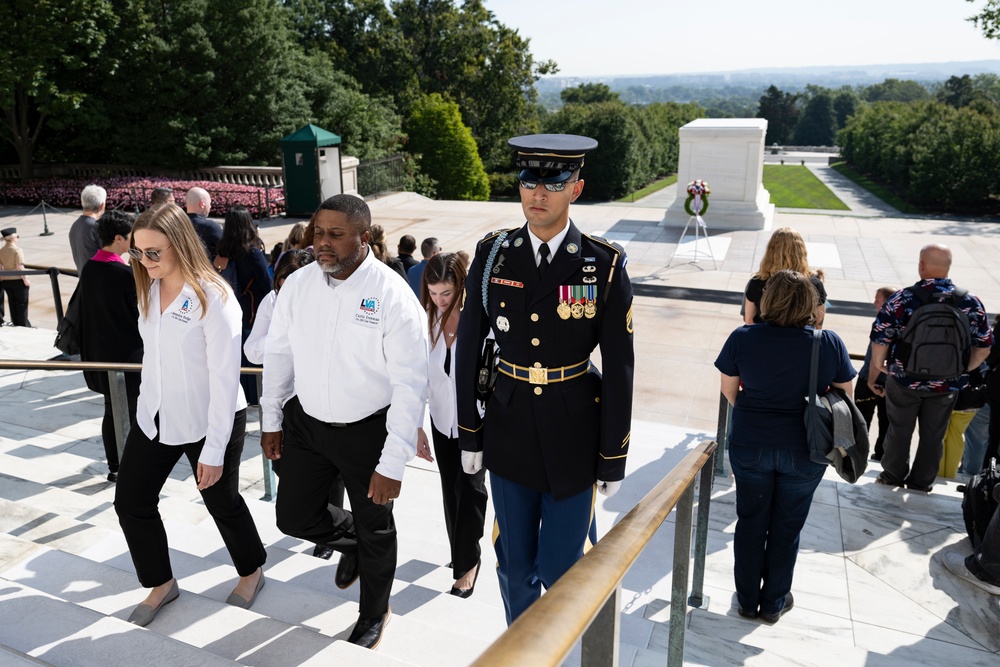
(728, 153)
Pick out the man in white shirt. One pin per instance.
(345, 380)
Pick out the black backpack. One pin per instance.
(979, 502)
(936, 342)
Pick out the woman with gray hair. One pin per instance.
(765, 377)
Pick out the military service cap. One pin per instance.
(550, 158)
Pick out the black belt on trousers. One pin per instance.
(536, 375)
(377, 413)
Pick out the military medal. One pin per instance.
(563, 310)
(496, 267)
(589, 268)
(587, 279)
(577, 308)
(590, 307)
(503, 324)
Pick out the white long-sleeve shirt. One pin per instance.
(254, 346)
(441, 388)
(191, 370)
(348, 351)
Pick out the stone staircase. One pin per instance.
(67, 582)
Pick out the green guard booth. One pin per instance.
(310, 160)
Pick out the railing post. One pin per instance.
(601, 640)
(269, 486)
(119, 409)
(697, 598)
(722, 435)
(56, 296)
(679, 587)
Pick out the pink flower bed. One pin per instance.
(128, 192)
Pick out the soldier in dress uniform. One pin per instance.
(555, 432)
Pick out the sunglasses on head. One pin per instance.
(153, 255)
(551, 187)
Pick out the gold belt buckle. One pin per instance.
(538, 375)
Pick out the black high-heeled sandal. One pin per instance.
(467, 592)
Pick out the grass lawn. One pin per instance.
(655, 186)
(877, 189)
(796, 187)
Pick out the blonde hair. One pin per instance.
(789, 300)
(785, 250)
(171, 221)
(294, 238)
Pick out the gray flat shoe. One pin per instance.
(239, 601)
(143, 614)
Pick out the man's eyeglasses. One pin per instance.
(153, 255)
(551, 187)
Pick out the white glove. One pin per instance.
(472, 462)
(608, 489)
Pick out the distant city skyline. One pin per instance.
(643, 37)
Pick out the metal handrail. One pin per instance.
(585, 601)
(119, 398)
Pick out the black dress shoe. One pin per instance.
(323, 551)
(347, 570)
(772, 617)
(112, 477)
(746, 614)
(467, 592)
(367, 633)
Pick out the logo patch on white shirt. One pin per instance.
(182, 314)
(368, 312)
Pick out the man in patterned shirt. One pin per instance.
(909, 398)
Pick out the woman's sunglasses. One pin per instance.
(153, 255)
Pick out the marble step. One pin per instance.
(301, 591)
(199, 619)
(10, 657)
(34, 524)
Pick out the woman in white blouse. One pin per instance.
(190, 403)
(464, 495)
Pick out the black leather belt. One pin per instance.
(374, 415)
(537, 375)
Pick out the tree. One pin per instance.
(781, 113)
(988, 19)
(446, 150)
(588, 93)
(818, 124)
(959, 91)
(46, 46)
(845, 102)
(895, 90)
(408, 48)
(615, 167)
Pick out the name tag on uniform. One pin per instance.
(508, 283)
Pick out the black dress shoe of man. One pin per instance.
(368, 631)
(323, 551)
(347, 570)
(772, 617)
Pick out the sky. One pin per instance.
(637, 37)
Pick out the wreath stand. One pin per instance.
(700, 231)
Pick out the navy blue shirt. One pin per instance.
(773, 366)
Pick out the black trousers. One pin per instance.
(312, 454)
(145, 467)
(869, 403)
(17, 301)
(108, 425)
(465, 501)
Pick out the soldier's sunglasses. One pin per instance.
(551, 187)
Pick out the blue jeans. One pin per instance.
(774, 490)
(976, 435)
